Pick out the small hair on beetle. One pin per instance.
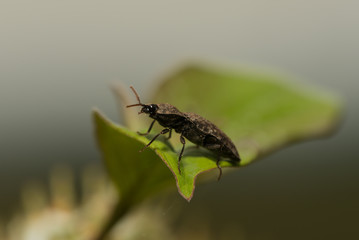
(138, 99)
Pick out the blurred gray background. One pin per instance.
(58, 58)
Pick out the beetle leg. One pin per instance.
(164, 131)
(183, 141)
(149, 129)
(219, 167)
(170, 134)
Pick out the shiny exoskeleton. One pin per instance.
(195, 128)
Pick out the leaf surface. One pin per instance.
(259, 112)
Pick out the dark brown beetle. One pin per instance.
(195, 128)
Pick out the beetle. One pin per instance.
(191, 126)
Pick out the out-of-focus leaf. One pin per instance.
(259, 112)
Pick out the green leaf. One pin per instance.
(259, 112)
(135, 175)
(138, 174)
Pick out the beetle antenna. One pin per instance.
(138, 99)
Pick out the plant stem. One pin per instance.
(120, 209)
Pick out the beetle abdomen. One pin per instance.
(212, 137)
(223, 147)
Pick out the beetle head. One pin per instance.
(149, 109)
(146, 108)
